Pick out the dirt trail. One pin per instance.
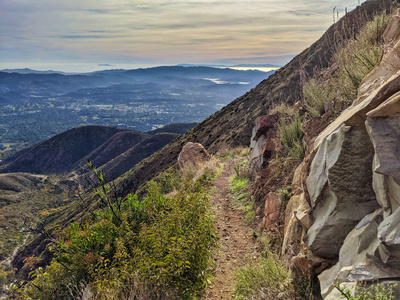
(236, 243)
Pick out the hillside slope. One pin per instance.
(60, 153)
(114, 146)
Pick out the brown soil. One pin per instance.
(236, 245)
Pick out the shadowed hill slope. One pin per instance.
(59, 153)
(114, 146)
(127, 160)
(232, 125)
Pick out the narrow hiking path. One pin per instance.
(236, 246)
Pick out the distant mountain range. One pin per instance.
(233, 66)
(30, 71)
(35, 105)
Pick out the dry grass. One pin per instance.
(316, 95)
(292, 137)
(354, 60)
(228, 151)
(283, 108)
(207, 170)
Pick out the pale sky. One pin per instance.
(156, 32)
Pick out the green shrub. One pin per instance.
(373, 292)
(161, 243)
(168, 181)
(263, 279)
(292, 137)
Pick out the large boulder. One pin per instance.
(192, 153)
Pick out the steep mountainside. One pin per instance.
(232, 125)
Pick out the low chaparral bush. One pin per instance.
(154, 248)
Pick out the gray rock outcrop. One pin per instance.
(351, 228)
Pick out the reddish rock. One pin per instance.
(272, 209)
(259, 181)
(263, 142)
(192, 153)
(263, 123)
(301, 267)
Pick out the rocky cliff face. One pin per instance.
(343, 219)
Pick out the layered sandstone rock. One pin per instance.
(354, 184)
(343, 219)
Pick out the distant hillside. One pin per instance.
(232, 125)
(30, 71)
(60, 153)
(114, 146)
(127, 160)
(115, 150)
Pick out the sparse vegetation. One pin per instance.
(354, 59)
(286, 194)
(240, 189)
(360, 56)
(228, 152)
(316, 95)
(283, 107)
(263, 279)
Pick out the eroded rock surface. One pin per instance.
(345, 222)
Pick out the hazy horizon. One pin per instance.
(86, 68)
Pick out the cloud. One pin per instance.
(87, 36)
(161, 31)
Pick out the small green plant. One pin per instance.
(286, 194)
(292, 137)
(373, 292)
(239, 187)
(242, 168)
(238, 184)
